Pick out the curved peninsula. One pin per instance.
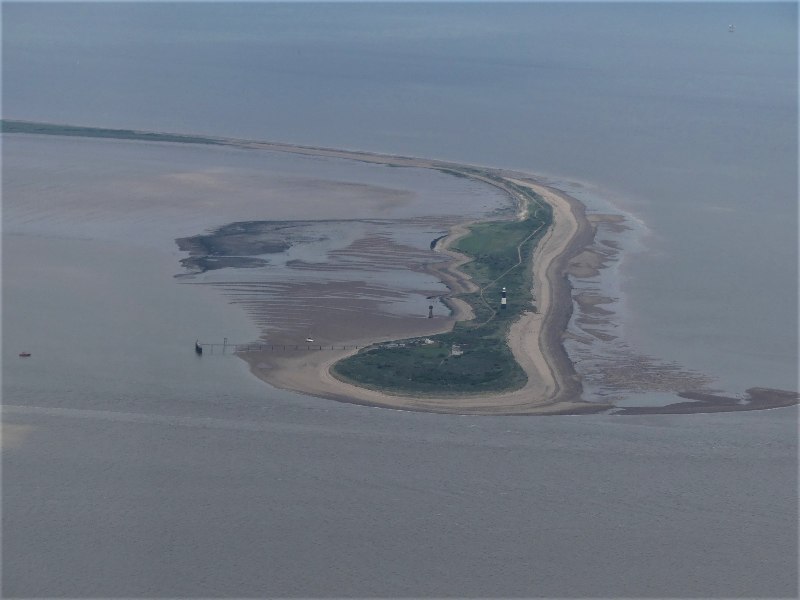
(550, 230)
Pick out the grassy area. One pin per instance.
(451, 363)
(8, 126)
(475, 356)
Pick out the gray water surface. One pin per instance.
(133, 469)
(297, 497)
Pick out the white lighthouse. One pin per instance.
(503, 298)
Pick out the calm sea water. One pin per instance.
(131, 468)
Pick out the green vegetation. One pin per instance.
(474, 357)
(414, 366)
(453, 172)
(8, 126)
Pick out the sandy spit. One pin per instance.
(535, 339)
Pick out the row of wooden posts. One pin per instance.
(226, 347)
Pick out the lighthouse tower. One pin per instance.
(503, 298)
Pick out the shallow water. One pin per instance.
(152, 193)
(369, 241)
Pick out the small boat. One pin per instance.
(24, 354)
(309, 339)
(198, 348)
